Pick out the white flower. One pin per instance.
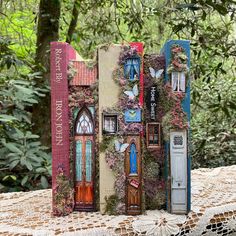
(158, 223)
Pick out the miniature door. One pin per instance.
(133, 176)
(84, 161)
(178, 166)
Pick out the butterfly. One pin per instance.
(133, 93)
(120, 147)
(155, 74)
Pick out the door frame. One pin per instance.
(170, 173)
(84, 207)
(132, 138)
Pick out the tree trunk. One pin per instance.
(47, 31)
(73, 23)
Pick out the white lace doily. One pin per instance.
(213, 213)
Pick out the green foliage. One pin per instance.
(26, 158)
(111, 204)
(25, 164)
(213, 123)
(63, 201)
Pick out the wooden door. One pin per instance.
(133, 176)
(178, 167)
(84, 162)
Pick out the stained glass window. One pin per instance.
(88, 160)
(78, 165)
(178, 81)
(133, 159)
(132, 69)
(84, 124)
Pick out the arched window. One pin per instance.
(132, 69)
(84, 123)
(133, 159)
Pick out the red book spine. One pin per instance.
(59, 109)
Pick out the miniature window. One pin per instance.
(133, 160)
(84, 123)
(178, 81)
(110, 124)
(153, 135)
(132, 69)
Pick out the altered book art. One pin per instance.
(120, 129)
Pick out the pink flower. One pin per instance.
(176, 49)
(122, 82)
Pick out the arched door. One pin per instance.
(133, 176)
(84, 161)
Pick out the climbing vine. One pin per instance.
(175, 117)
(115, 158)
(63, 197)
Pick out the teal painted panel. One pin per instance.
(166, 50)
(88, 161)
(78, 166)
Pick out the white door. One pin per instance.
(178, 167)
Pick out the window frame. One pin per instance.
(178, 81)
(153, 124)
(125, 68)
(114, 115)
(136, 159)
(90, 117)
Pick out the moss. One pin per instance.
(63, 197)
(111, 204)
(106, 142)
(158, 202)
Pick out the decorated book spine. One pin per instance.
(177, 63)
(59, 110)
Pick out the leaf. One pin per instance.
(24, 90)
(29, 165)
(232, 105)
(21, 82)
(13, 164)
(40, 170)
(221, 9)
(7, 118)
(30, 135)
(13, 177)
(34, 158)
(44, 181)
(24, 180)
(12, 147)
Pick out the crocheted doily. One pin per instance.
(213, 213)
